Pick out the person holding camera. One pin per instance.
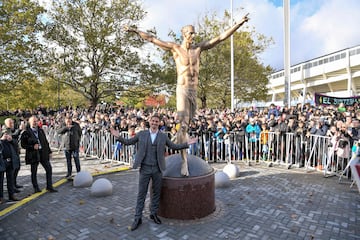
(320, 128)
(71, 132)
(14, 133)
(37, 150)
(343, 142)
(7, 165)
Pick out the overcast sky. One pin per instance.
(318, 27)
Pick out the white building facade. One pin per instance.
(336, 74)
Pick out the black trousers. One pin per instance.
(9, 180)
(16, 173)
(75, 155)
(48, 170)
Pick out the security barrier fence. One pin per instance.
(311, 152)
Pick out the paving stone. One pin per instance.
(263, 203)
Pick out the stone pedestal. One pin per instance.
(189, 197)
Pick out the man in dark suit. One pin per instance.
(150, 157)
(37, 150)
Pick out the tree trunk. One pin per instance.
(203, 102)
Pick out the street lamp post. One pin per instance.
(232, 59)
(58, 93)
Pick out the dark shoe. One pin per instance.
(37, 190)
(155, 218)
(13, 198)
(51, 190)
(137, 222)
(68, 175)
(2, 201)
(18, 186)
(16, 190)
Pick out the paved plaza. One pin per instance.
(262, 203)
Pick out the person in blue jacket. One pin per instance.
(253, 131)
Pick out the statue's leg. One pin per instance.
(184, 164)
(182, 137)
(183, 111)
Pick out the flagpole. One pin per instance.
(287, 74)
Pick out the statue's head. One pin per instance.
(188, 29)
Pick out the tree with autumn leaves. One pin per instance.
(77, 50)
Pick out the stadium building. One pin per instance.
(335, 75)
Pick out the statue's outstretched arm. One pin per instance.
(150, 38)
(213, 42)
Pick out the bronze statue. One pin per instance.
(187, 59)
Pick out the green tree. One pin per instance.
(19, 48)
(54, 95)
(152, 82)
(90, 51)
(250, 76)
(31, 92)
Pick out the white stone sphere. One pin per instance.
(102, 187)
(221, 179)
(83, 179)
(231, 170)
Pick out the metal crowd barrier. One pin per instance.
(311, 153)
(101, 145)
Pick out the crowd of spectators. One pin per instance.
(338, 122)
(241, 132)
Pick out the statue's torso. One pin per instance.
(187, 65)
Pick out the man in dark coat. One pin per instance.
(14, 133)
(150, 157)
(71, 132)
(37, 150)
(7, 156)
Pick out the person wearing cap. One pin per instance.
(7, 156)
(273, 111)
(37, 150)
